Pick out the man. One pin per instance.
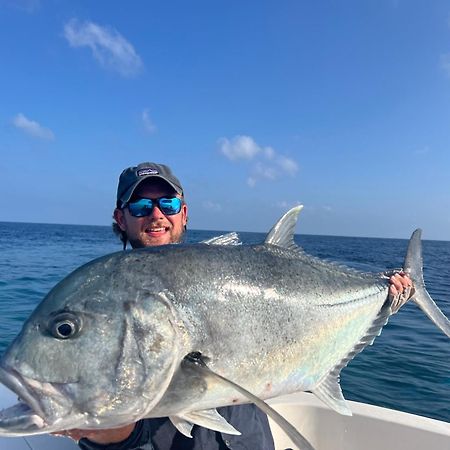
(151, 211)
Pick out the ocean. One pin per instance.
(407, 368)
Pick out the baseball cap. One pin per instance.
(131, 177)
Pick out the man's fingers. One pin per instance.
(396, 283)
(404, 279)
(393, 290)
(400, 290)
(400, 281)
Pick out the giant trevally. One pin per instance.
(114, 341)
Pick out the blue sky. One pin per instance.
(256, 105)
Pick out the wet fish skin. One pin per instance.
(268, 317)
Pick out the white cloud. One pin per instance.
(261, 170)
(148, 122)
(283, 204)
(32, 128)
(287, 165)
(240, 147)
(108, 46)
(269, 152)
(212, 206)
(265, 163)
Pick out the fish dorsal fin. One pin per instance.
(207, 418)
(282, 233)
(329, 390)
(224, 239)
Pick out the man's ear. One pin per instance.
(184, 210)
(119, 217)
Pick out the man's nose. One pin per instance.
(156, 213)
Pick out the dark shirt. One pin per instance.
(248, 419)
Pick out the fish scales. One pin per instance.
(281, 312)
(150, 333)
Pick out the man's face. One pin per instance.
(155, 229)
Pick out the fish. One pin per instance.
(179, 330)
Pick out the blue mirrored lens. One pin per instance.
(144, 206)
(141, 208)
(170, 206)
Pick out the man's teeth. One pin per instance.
(153, 230)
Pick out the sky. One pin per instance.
(342, 106)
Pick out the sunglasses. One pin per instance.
(144, 206)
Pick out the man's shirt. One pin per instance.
(160, 434)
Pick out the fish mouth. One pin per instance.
(28, 415)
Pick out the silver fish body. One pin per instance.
(271, 337)
(106, 346)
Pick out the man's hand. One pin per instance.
(400, 290)
(110, 436)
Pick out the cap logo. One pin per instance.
(147, 171)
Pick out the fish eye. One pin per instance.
(64, 329)
(64, 326)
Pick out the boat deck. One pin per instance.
(370, 428)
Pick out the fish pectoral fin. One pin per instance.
(224, 239)
(208, 418)
(329, 391)
(196, 361)
(182, 425)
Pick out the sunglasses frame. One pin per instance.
(155, 202)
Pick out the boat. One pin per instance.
(369, 428)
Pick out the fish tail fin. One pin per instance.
(413, 266)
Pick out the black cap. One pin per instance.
(131, 177)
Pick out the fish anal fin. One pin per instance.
(329, 391)
(182, 425)
(207, 418)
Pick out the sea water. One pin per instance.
(407, 368)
